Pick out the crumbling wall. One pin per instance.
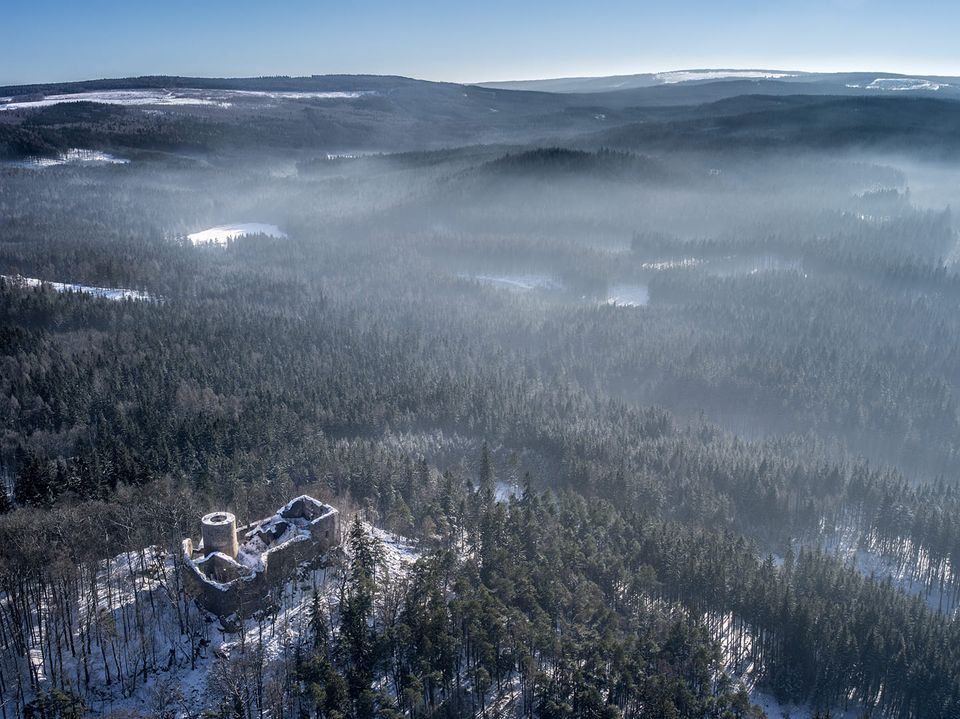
(324, 520)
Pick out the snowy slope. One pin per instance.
(182, 647)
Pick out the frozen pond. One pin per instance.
(109, 293)
(222, 234)
(628, 295)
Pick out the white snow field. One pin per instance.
(292, 95)
(171, 98)
(76, 156)
(670, 78)
(114, 97)
(109, 293)
(901, 84)
(223, 234)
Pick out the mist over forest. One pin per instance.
(634, 403)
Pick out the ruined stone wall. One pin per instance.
(326, 530)
(217, 584)
(242, 595)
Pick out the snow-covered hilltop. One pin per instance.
(171, 658)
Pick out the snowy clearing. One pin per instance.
(901, 84)
(223, 234)
(127, 98)
(109, 293)
(676, 76)
(291, 95)
(172, 98)
(76, 156)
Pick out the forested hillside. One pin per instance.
(666, 426)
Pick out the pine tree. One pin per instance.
(358, 637)
(488, 482)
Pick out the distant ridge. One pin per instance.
(840, 82)
(278, 82)
(817, 82)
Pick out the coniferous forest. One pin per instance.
(650, 416)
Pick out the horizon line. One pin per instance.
(557, 77)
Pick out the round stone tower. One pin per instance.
(219, 532)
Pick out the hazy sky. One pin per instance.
(45, 40)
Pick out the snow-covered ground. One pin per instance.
(776, 710)
(676, 76)
(290, 95)
(171, 98)
(128, 98)
(504, 491)
(628, 295)
(291, 623)
(177, 682)
(76, 156)
(109, 293)
(399, 552)
(736, 662)
(222, 234)
(901, 84)
(846, 545)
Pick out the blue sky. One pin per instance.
(45, 40)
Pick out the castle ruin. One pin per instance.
(227, 576)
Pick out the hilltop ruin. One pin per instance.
(228, 576)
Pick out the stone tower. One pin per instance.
(219, 532)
